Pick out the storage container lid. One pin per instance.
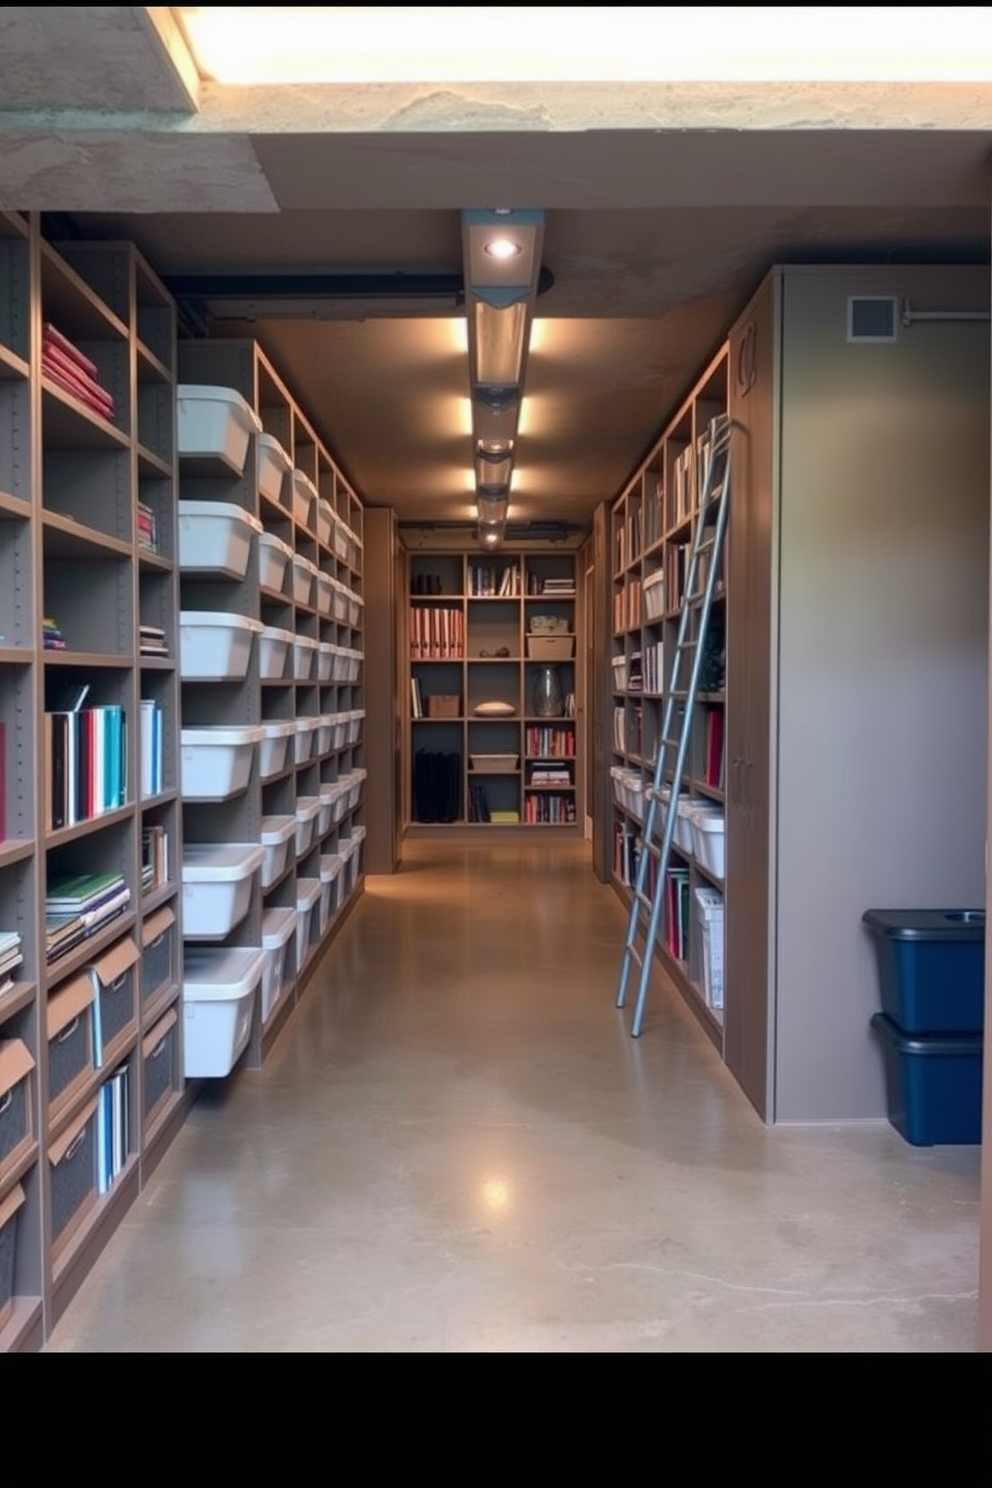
(278, 926)
(330, 866)
(219, 619)
(359, 834)
(279, 728)
(217, 734)
(307, 892)
(273, 633)
(276, 829)
(705, 819)
(225, 509)
(269, 540)
(303, 481)
(307, 808)
(221, 974)
(935, 1045)
(927, 924)
(332, 792)
(193, 392)
(359, 774)
(306, 642)
(221, 862)
(653, 578)
(274, 449)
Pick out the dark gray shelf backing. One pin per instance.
(156, 492)
(157, 605)
(18, 705)
(15, 439)
(15, 295)
(17, 610)
(68, 425)
(92, 599)
(92, 487)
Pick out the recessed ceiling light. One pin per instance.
(503, 248)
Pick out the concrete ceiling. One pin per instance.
(664, 207)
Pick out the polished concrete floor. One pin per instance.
(456, 1146)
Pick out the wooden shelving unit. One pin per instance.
(313, 511)
(651, 531)
(70, 480)
(484, 750)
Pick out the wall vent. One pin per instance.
(872, 318)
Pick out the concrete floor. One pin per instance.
(456, 1146)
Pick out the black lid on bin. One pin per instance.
(927, 924)
(936, 1044)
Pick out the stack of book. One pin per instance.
(112, 1130)
(147, 529)
(85, 763)
(79, 906)
(151, 748)
(151, 641)
(52, 638)
(72, 369)
(154, 858)
(558, 588)
(550, 775)
(11, 956)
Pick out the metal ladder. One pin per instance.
(708, 536)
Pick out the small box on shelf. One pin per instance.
(443, 705)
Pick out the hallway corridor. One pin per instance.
(455, 1146)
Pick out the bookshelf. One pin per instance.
(651, 530)
(855, 644)
(488, 745)
(84, 425)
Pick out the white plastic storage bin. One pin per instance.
(215, 646)
(355, 603)
(340, 539)
(335, 797)
(214, 423)
(653, 592)
(278, 929)
(304, 656)
(709, 839)
(217, 882)
(307, 808)
(276, 834)
(215, 762)
(219, 987)
(274, 748)
(355, 782)
(304, 499)
(353, 663)
(340, 600)
(215, 538)
(307, 898)
(339, 663)
(324, 521)
(273, 467)
(325, 593)
(339, 724)
(353, 548)
(273, 648)
(303, 573)
(330, 888)
(323, 735)
(619, 664)
(303, 743)
(683, 823)
(325, 661)
(274, 557)
(355, 722)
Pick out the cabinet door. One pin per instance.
(748, 1014)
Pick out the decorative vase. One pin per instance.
(548, 699)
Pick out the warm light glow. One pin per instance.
(595, 43)
(503, 248)
(496, 1193)
(498, 343)
(491, 539)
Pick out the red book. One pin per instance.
(69, 385)
(53, 336)
(53, 362)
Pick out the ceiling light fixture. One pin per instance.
(503, 248)
(501, 279)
